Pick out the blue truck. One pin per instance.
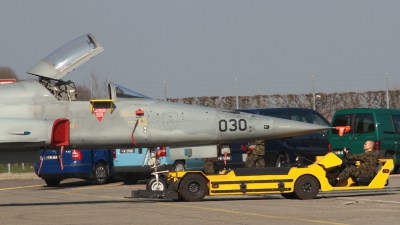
(130, 164)
(95, 165)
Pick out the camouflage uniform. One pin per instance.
(255, 158)
(368, 163)
(210, 163)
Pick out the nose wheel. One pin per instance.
(155, 184)
(158, 182)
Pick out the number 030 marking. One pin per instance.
(232, 125)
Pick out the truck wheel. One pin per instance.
(306, 187)
(193, 187)
(179, 166)
(289, 195)
(154, 186)
(100, 174)
(52, 182)
(129, 179)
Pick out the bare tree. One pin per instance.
(7, 73)
(83, 93)
(98, 85)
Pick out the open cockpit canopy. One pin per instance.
(67, 57)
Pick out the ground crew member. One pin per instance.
(255, 155)
(368, 162)
(211, 163)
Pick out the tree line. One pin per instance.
(327, 103)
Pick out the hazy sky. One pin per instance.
(200, 47)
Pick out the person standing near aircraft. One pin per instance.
(255, 155)
(211, 163)
(368, 162)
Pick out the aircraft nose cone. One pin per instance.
(288, 128)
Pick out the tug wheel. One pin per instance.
(193, 187)
(306, 187)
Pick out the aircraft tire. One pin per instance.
(193, 187)
(154, 186)
(52, 182)
(306, 187)
(289, 195)
(179, 166)
(100, 174)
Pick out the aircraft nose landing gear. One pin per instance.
(158, 182)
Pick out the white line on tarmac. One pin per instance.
(369, 200)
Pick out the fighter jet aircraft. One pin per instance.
(44, 114)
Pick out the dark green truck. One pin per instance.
(379, 125)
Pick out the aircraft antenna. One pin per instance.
(387, 90)
(237, 96)
(165, 90)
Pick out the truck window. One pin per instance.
(281, 115)
(342, 120)
(298, 116)
(364, 123)
(396, 123)
(317, 119)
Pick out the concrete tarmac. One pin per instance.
(74, 201)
